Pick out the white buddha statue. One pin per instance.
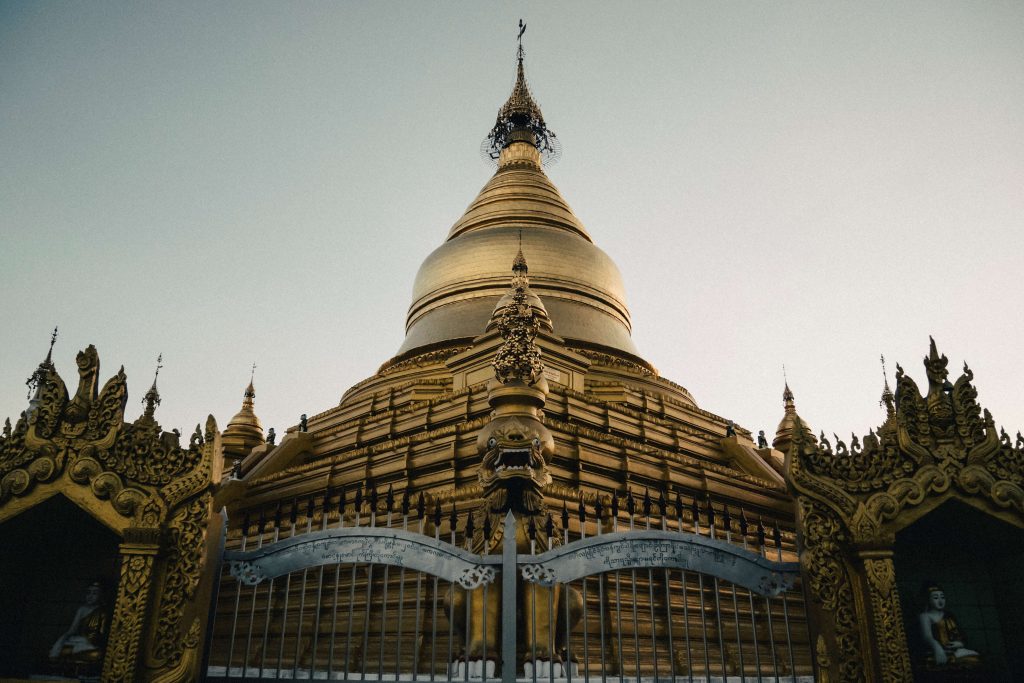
(941, 632)
(83, 642)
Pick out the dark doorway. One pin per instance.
(51, 554)
(976, 560)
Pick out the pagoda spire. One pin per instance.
(38, 378)
(520, 118)
(518, 358)
(888, 398)
(787, 426)
(152, 397)
(519, 293)
(244, 431)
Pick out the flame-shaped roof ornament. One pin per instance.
(520, 119)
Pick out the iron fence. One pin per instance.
(642, 590)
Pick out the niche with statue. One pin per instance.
(958, 573)
(59, 570)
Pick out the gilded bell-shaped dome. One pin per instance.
(459, 284)
(788, 425)
(244, 431)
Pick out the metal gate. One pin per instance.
(688, 595)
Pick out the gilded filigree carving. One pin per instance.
(888, 619)
(121, 661)
(158, 487)
(829, 582)
(932, 446)
(518, 357)
(185, 542)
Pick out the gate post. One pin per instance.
(508, 600)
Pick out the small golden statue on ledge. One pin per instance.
(80, 649)
(941, 632)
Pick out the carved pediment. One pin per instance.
(85, 436)
(144, 483)
(942, 434)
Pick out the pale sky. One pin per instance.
(805, 183)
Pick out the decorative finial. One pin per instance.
(250, 391)
(53, 340)
(35, 382)
(787, 393)
(520, 119)
(152, 397)
(888, 399)
(518, 358)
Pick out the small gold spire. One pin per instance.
(888, 399)
(520, 283)
(53, 340)
(787, 426)
(152, 397)
(38, 378)
(518, 358)
(520, 118)
(244, 431)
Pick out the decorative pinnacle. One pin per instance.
(787, 393)
(35, 382)
(250, 391)
(53, 340)
(518, 358)
(519, 271)
(152, 397)
(520, 113)
(888, 399)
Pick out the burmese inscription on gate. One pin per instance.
(661, 549)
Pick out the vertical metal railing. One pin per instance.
(374, 592)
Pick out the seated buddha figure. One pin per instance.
(81, 646)
(942, 633)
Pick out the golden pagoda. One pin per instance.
(515, 494)
(244, 431)
(617, 428)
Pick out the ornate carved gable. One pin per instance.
(853, 499)
(144, 483)
(934, 441)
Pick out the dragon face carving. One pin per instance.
(514, 469)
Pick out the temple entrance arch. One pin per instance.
(53, 553)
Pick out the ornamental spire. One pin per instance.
(518, 358)
(244, 431)
(787, 427)
(152, 397)
(520, 118)
(520, 269)
(888, 399)
(35, 382)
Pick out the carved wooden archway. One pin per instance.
(138, 481)
(853, 500)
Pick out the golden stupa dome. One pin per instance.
(460, 283)
(244, 430)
